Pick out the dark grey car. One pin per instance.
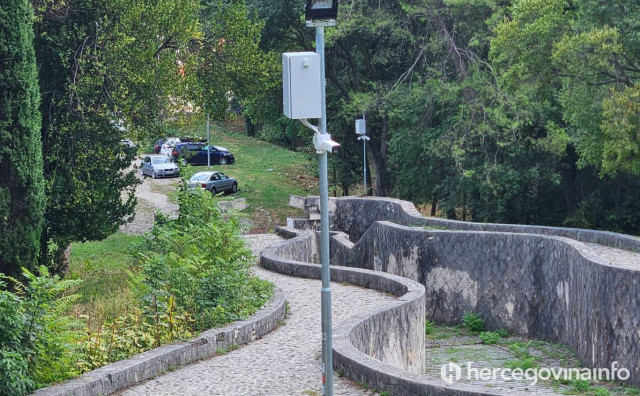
(213, 181)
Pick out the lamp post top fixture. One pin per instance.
(321, 11)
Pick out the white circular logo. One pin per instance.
(450, 372)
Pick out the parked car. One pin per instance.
(213, 181)
(196, 154)
(159, 166)
(127, 143)
(158, 146)
(169, 144)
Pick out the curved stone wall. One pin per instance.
(355, 215)
(122, 374)
(393, 334)
(383, 349)
(546, 286)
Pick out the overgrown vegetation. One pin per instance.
(189, 274)
(473, 322)
(459, 344)
(199, 264)
(38, 339)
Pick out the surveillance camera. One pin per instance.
(322, 142)
(333, 147)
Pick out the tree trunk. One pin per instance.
(570, 181)
(451, 214)
(250, 126)
(434, 203)
(379, 148)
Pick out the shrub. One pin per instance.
(600, 392)
(428, 327)
(522, 363)
(14, 367)
(38, 342)
(473, 322)
(130, 334)
(502, 333)
(489, 337)
(521, 349)
(199, 264)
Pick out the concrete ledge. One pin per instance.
(120, 375)
(550, 287)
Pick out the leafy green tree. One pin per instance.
(232, 67)
(436, 117)
(108, 68)
(572, 67)
(21, 180)
(581, 59)
(284, 28)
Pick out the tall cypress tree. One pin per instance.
(21, 174)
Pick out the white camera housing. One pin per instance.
(323, 143)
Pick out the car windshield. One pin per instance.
(200, 177)
(160, 160)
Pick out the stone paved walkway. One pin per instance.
(616, 257)
(286, 361)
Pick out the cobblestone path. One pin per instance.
(284, 362)
(616, 257)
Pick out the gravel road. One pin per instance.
(151, 194)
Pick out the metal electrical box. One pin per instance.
(301, 85)
(361, 127)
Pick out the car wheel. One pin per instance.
(234, 188)
(154, 175)
(213, 191)
(222, 161)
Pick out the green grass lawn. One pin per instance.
(103, 266)
(267, 174)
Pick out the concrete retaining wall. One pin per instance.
(536, 285)
(393, 334)
(543, 285)
(383, 349)
(355, 215)
(122, 374)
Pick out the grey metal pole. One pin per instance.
(208, 143)
(325, 294)
(364, 150)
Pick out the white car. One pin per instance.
(159, 166)
(168, 145)
(128, 143)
